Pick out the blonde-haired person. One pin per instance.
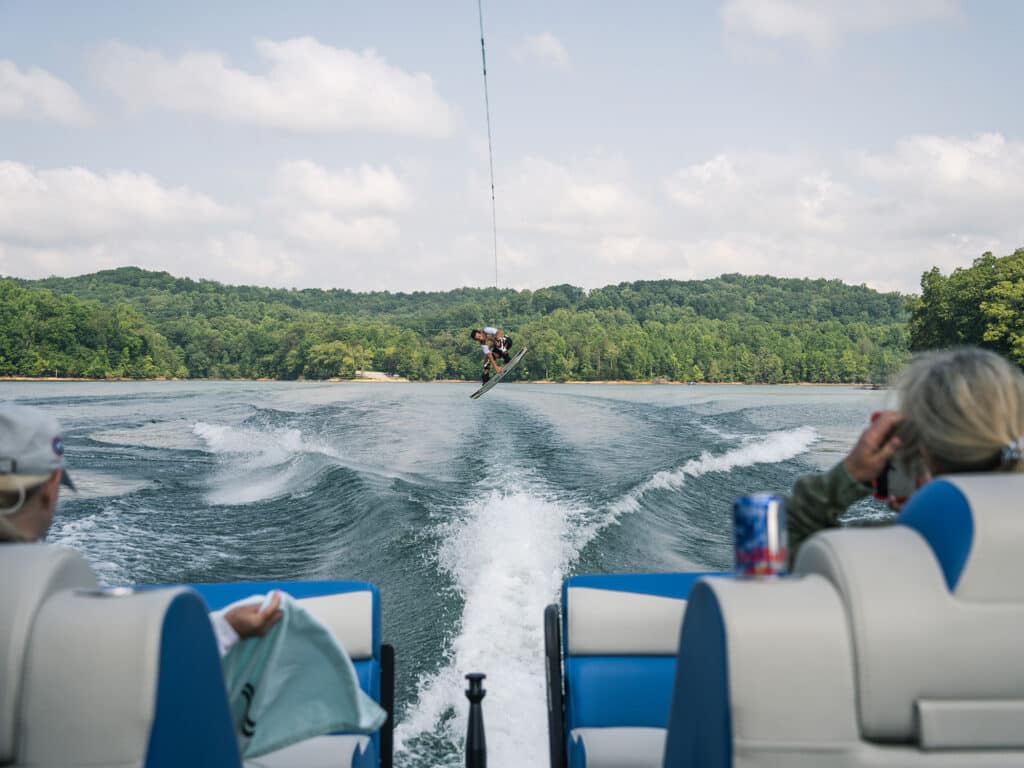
(960, 410)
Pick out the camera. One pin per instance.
(893, 484)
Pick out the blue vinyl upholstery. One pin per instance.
(942, 515)
(191, 722)
(700, 726)
(368, 758)
(609, 691)
(628, 690)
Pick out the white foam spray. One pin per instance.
(507, 555)
(772, 448)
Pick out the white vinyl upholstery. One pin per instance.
(29, 575)
(91, 678)
(349, 617)
(894, 646)
(319, 752)
(913, 639)
(605, 622)
(997, 507)
(621, 747)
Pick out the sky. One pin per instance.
(342, 144)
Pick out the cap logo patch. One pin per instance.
(58, 446)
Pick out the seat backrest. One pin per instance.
(125, 678)
(621, 633)
(29, 574)
(936, 613)
(974, 525)
(764, 671)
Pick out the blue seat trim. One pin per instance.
(942, 515)
(700, 721)
(192, 722)
(367, 759)
(368, 674)
(577, 753)
(623, 691)
(661, 584)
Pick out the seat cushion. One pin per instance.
(609, 691)
(617, 747)
(320, 752)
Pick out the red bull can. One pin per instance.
(759, 525)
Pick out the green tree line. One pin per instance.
(982, 304)
(134, 323)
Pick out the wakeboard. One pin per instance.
(499, 376)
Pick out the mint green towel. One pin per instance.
(294, 683)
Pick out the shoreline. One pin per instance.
(402, 380)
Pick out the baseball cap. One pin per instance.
(31, 447)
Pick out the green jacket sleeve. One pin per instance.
(817, 501)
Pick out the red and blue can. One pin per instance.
(759, 524)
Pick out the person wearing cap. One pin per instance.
(31, 473)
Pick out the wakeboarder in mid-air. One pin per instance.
(494, 344)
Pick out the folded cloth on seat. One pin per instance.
(294, 683)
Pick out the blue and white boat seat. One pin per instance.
(130, 677)
(619, 635)
(107, 678)
(29, 576)
(351, 610)
(897, 646)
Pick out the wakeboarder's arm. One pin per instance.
(490, 356)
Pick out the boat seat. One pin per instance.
(618, 650)
(30, 575)
(321, 752)
(128, 677)
(351, 611)
(892, 647)
(117, 678)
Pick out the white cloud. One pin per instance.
(540, 195)
(366, 234)
(69, 221)
(308, 88)
(74, 204)
(37, 94)
(303, 182)
(546, 48)
(820, 24)
(881, 218)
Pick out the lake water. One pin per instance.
(467, 514)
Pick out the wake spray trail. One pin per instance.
(506, 554)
